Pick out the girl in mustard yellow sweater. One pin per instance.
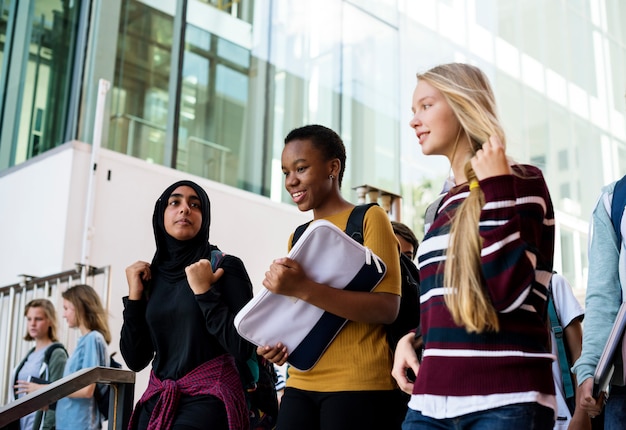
(351, 385)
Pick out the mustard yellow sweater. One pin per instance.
(359, 359)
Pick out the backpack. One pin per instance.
(563, 357)
(102, 393)
(258, 376)
(409, 314)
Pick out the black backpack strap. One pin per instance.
(51, 349)
(299, 230)
(354, 226)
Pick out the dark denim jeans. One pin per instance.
(527, 416)
(615, 409)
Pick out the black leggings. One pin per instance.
(199, 412)
(345, 410)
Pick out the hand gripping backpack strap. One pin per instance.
(558, 331)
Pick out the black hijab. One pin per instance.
(173, 255)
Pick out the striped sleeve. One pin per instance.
(517, 228)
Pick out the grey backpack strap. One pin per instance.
(431, 212)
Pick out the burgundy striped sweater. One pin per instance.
(517, 228)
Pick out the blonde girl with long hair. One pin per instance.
(83, 310)
(485, 265)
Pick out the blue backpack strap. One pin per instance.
(216, 257)
(354, 226)
(617, 207)
(558, 331)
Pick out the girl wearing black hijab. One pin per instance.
(179, 315)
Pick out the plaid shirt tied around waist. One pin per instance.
(217, 377)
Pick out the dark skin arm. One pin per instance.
(574, 341)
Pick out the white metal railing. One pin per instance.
(13, 299)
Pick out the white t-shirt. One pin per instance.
(567, 309)
(31, 367)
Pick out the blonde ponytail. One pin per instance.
(466, 298)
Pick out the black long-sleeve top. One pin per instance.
(181, 330)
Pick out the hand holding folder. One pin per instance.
(328, 256)
(613, 354)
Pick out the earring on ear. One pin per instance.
(331, 177)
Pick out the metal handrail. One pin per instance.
(61, 277)
(121, 401)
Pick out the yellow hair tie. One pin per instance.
(473, 184)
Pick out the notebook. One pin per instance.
(328, 256)
(615, 346)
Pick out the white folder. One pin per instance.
(328, 256)
(614, 353)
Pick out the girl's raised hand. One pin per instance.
(491, 160)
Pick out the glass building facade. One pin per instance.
(211, 87)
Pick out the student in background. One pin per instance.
(570, 315)
(407, 239)
(606, 289)
(485, 265)
(83, 310)
(44, 362)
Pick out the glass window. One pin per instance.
(581, 53)
(564, 189)
(589, 160)
(568, 258)
(213, 107)
(242, 9)
(140, 96)
(385, 10)
(5, 10)
(508, 94)
(39, 104)
(556, 37)
(305, 76)
(370, 102)
(562, 157)
(617, 74)
(533, 24)
(213, 98)
(616, 17)
(536, 127)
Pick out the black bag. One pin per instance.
(102, 393)
(409, 314)
(259, 379)
(257, 375)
